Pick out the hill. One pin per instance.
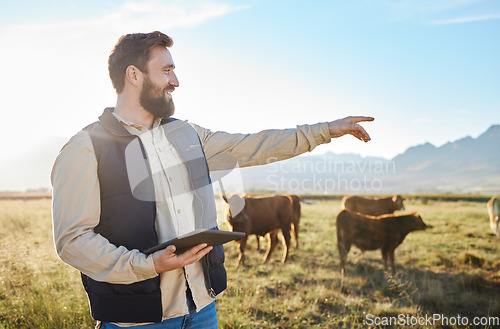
(468, 165)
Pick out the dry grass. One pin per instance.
(451, 269)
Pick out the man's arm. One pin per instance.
(224, 149)
(75, 213)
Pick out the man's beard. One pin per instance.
(157, 106)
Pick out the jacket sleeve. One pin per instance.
(226, 150)
(75, 213)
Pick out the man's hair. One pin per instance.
(133, 49)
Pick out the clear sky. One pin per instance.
(427, 70)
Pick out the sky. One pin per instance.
(427, 70)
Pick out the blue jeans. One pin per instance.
(204, 319)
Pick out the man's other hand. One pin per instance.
(349, 125)
(166, 260)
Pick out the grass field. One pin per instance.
(451, 270)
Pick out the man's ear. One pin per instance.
(133, 75)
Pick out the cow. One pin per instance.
(373, 207)
(494, 210)
(366, 232)
(295, 221)
(260, 216)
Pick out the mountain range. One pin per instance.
(467, 165)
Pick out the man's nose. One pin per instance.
(174, 82)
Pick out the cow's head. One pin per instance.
(416, 223)
(398, 202)
(235, 210)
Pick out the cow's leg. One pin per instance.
(496, 226)
(343, 251)
(286, 235)
(391, 258)
(343, 247)
(385, 254)
(258, 241)
(296, 234)
(241, 258)
(273, 242)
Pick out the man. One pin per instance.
(138, 177)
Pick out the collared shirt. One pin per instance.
(174, 216)
(76, 202)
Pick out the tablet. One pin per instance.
(185, 242)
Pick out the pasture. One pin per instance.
(451, 270)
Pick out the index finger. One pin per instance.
(357, 119)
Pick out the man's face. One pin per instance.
(158, 83)
(153, 99)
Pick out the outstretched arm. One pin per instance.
(223, 150)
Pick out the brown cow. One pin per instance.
(260, 215)
(494, 210)
(366, 232)
(295, 221)
(373, 207)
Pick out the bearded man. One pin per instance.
(138, 177)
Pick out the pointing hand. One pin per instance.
(349, 125)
